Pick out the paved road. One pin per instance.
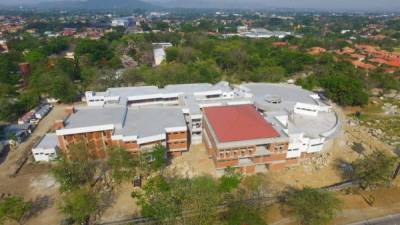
(386, 220)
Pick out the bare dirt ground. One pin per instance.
(33, 182)
(123, 207)
(354, 207)
(195, 162)
(350, 144)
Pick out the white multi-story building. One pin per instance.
(300, 114)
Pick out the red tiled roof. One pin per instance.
(238, 123)
(390, 70)
(394, 63)
(357, 56)
(378, 60)
(362, 65)
(279, 43)
(316, 50)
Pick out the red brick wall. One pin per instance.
(177, 135)
(276, 166)
(174, 154)
(225, 163)
(96, 142)
(274, 147)
(177, 145)
(177, 141)
(292, 161)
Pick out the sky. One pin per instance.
(316, 4)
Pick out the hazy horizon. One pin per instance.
(312, 4)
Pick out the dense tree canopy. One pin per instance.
(375, 169)
(312, 207)
(79, 204)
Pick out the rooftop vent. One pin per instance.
(273, 99)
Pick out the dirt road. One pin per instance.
(33, 182)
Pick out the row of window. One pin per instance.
(305, 109)
(234, 154)
(48, 154)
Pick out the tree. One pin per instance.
(161, 199)
(7, 110)
(13, 208)
(79, 204)
(202, 197)
(239, 213)
(122, 163)
(35, 56)
(375, 169)
(74, 171)
(96, 50)
(229, 181)
(172, 200)
(313, 207)
(308, 83)
(345, 90)
(56, 45)
(158, 157)
(171, 54)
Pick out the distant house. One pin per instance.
(345, 50)
(264, 33)
(122, 22)
(359, 57)
(362, 65)
(3, 46)
(159, 56)
(69, 55)
(159, 52)
(69, 31)
(46, 149)
(280, 43)
(379, 61)
(393, 63)
(241, 29)
(316, 50)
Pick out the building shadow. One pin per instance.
(358, 147)
(38, 205)
(343, 168)
(4, 154)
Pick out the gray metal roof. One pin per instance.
(290, 95)
(150, 121)
(312, 126)
(48, 141)
(95, 116)
(190, 88)
(132, 91)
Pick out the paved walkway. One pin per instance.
(386, 220)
